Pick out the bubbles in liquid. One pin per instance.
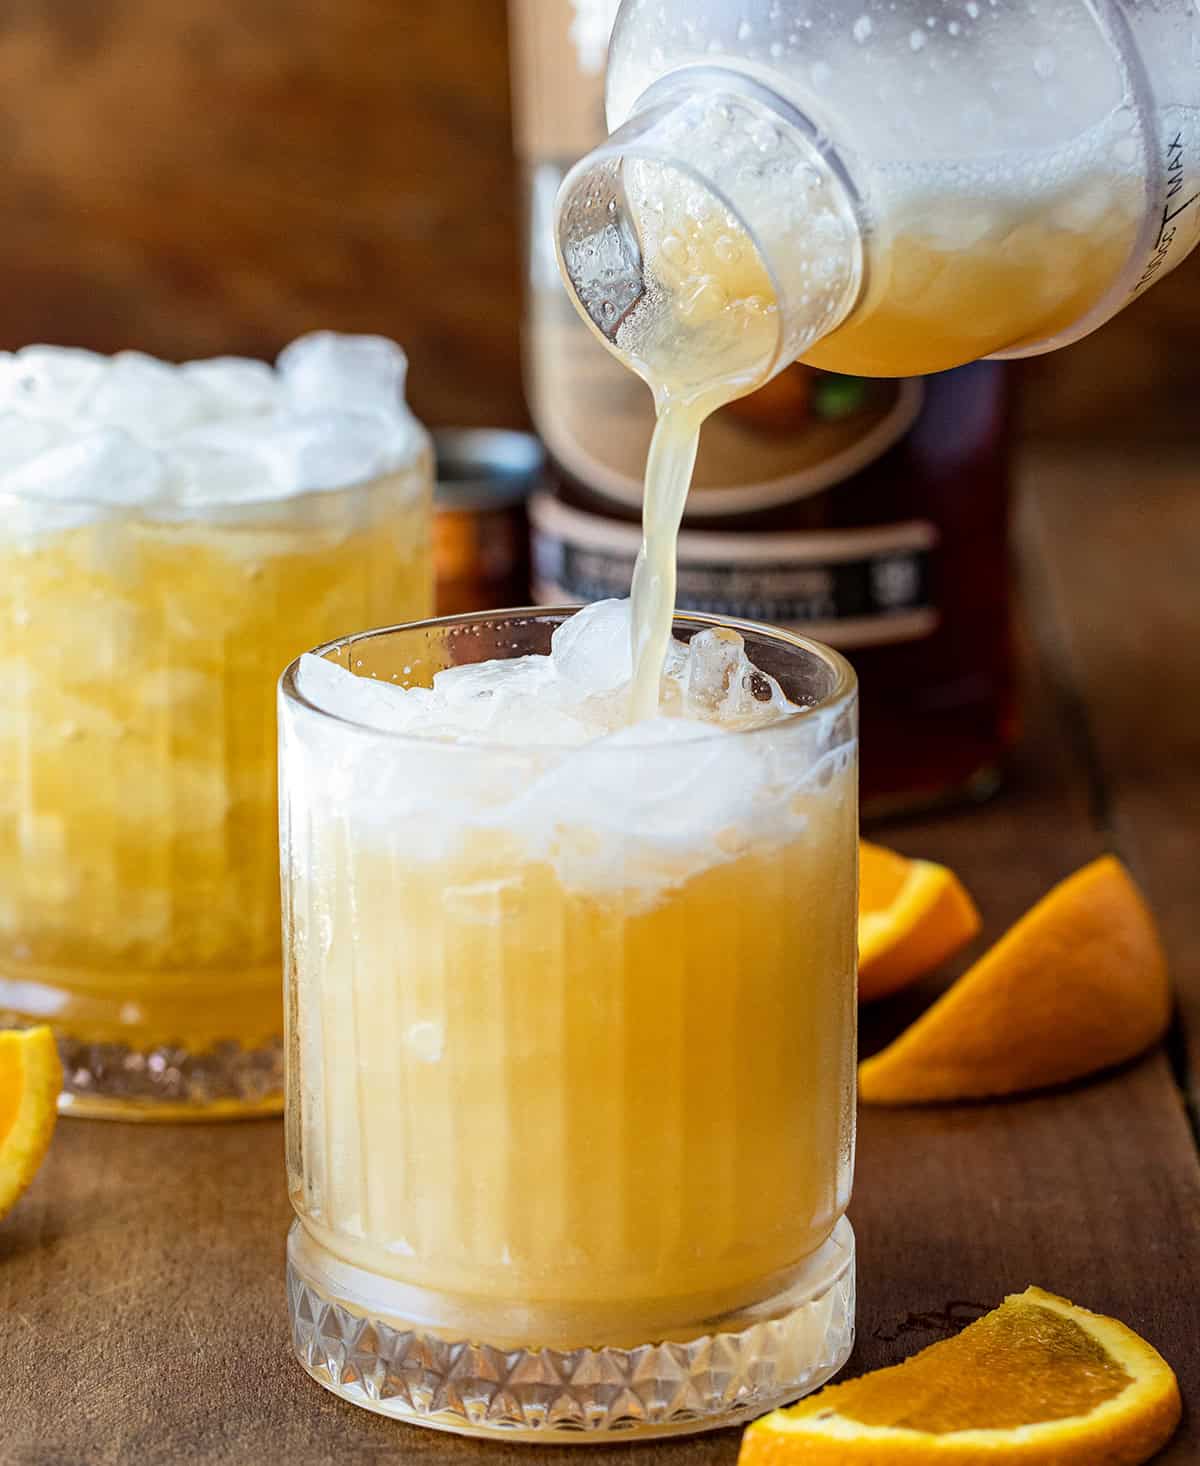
(862, 28)
(707, 299)
(726, 249)
(674, 250)
(916, 40)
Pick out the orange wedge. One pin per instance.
(1036, 1382)
(30, 1079)
(912, 914)
(1077, 985)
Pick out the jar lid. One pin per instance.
(485, 468)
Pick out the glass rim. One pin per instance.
(635, 138)
(843, 691)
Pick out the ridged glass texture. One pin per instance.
(578, 1086)
(720, 1378)
(139, 896)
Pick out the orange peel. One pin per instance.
(912, 915)
(1079, 984)
(1036, 1382)
(30, 1081)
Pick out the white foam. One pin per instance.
(196, 438)
(537, 749)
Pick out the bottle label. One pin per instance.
(851, 588)
(802, 433)
(559, 48)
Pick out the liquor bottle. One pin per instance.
(869, 513)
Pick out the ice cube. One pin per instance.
(326, 450)
(722, 685)
(530, 721)
(105, 467)
(381, 705)
(494, 679)
(23, 438)
(326, 370)
(519, 702)
(675, 661)
(218, 472)
(48, 381)
(234, 385)
(714, 672)
(591, 651)
(144, 396)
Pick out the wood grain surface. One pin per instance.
(1123, 599)
(141, 1282)
(203, 176)
(206, 176)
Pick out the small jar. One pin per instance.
(480, 527)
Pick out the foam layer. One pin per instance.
(128, 431)
(538, 750)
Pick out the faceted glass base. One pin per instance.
(721, 1373)
(116, 1081)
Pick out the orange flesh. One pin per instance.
(12, 1070)
(881, 877)
(1018, 1365)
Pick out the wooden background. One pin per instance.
(198, 176)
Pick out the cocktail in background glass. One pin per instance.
(571, 1012)
(169, 538)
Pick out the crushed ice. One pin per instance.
(577, 694)
(132, 430)
(541, 749)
